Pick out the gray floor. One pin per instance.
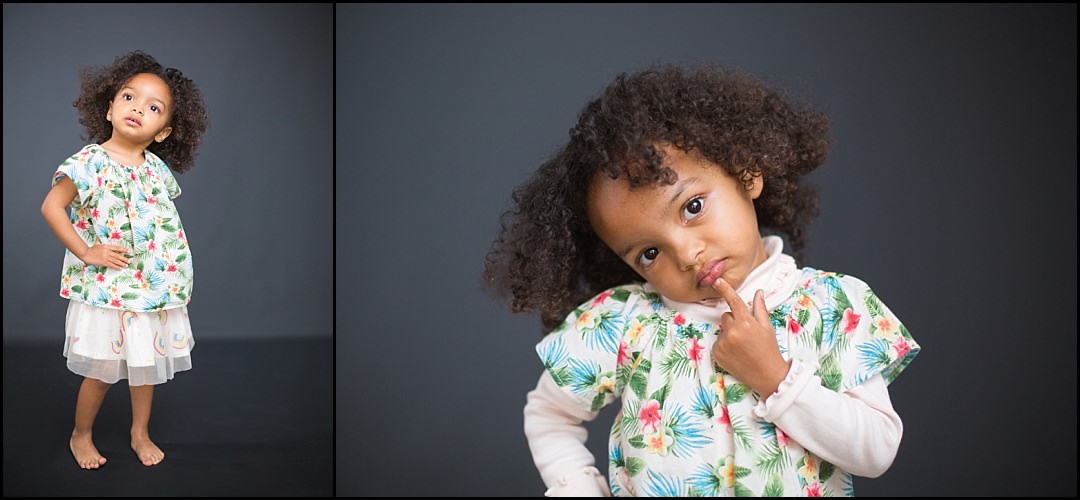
(252, 418)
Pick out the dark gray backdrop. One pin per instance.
(951, 190)
(258, 204)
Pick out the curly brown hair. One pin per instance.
(99, 85)
(547, 258)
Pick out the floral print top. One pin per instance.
(128, 206)
(685, 427)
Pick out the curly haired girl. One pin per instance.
(127, 270)
(641, 244)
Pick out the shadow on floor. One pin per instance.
(251, 418)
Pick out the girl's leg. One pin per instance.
(91, 394)
(142, 398)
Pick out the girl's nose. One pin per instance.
(688, 254)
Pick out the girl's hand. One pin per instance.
(111, 256)
(746, 343)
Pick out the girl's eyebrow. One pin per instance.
(679, 190)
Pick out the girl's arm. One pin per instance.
(54, 209)
(556, 436)
(857, 430)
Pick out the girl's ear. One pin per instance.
(163, 134)
(758, 183)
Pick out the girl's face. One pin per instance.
(681, 237)
(141, 109)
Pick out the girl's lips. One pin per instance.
(711, 272)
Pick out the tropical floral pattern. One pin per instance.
(129, 206)
(685, 427)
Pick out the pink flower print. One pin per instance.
(849, 321)
(901, 347)
(134, 177)
(151, 246)
(813, 489)
(138, 275)
(602, 297)
(81, 224)
(695, 350)
(171, 268)
(94, 213)
(151, 200)
(650, 416)
(114, 302)
(724, 418)
(180, 234)
(115, 235)
(100, 278)
(65, 293)
(793, 326)
(781, 438)
(624, 352)
(679, 320)
(99, 181)
(127, 205)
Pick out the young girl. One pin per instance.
(127, 270)
(641, 245)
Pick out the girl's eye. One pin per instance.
(153, 108)
(648, 256)
(693, 208)
(127, 97)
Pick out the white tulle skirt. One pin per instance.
(145, 348)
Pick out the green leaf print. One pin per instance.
(743, 491)
(620, 294)
(661, 394)
(677, 363)
(180, 258)
(774, 487)
(639, 381)
(771, 459)
(825, 470)
(736, 392)
(743, 435)
(77, 289)
(873, 304)
(129, 296)
(829, 372)
(634, 466)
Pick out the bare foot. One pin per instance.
(86, 454)
(148, 452)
